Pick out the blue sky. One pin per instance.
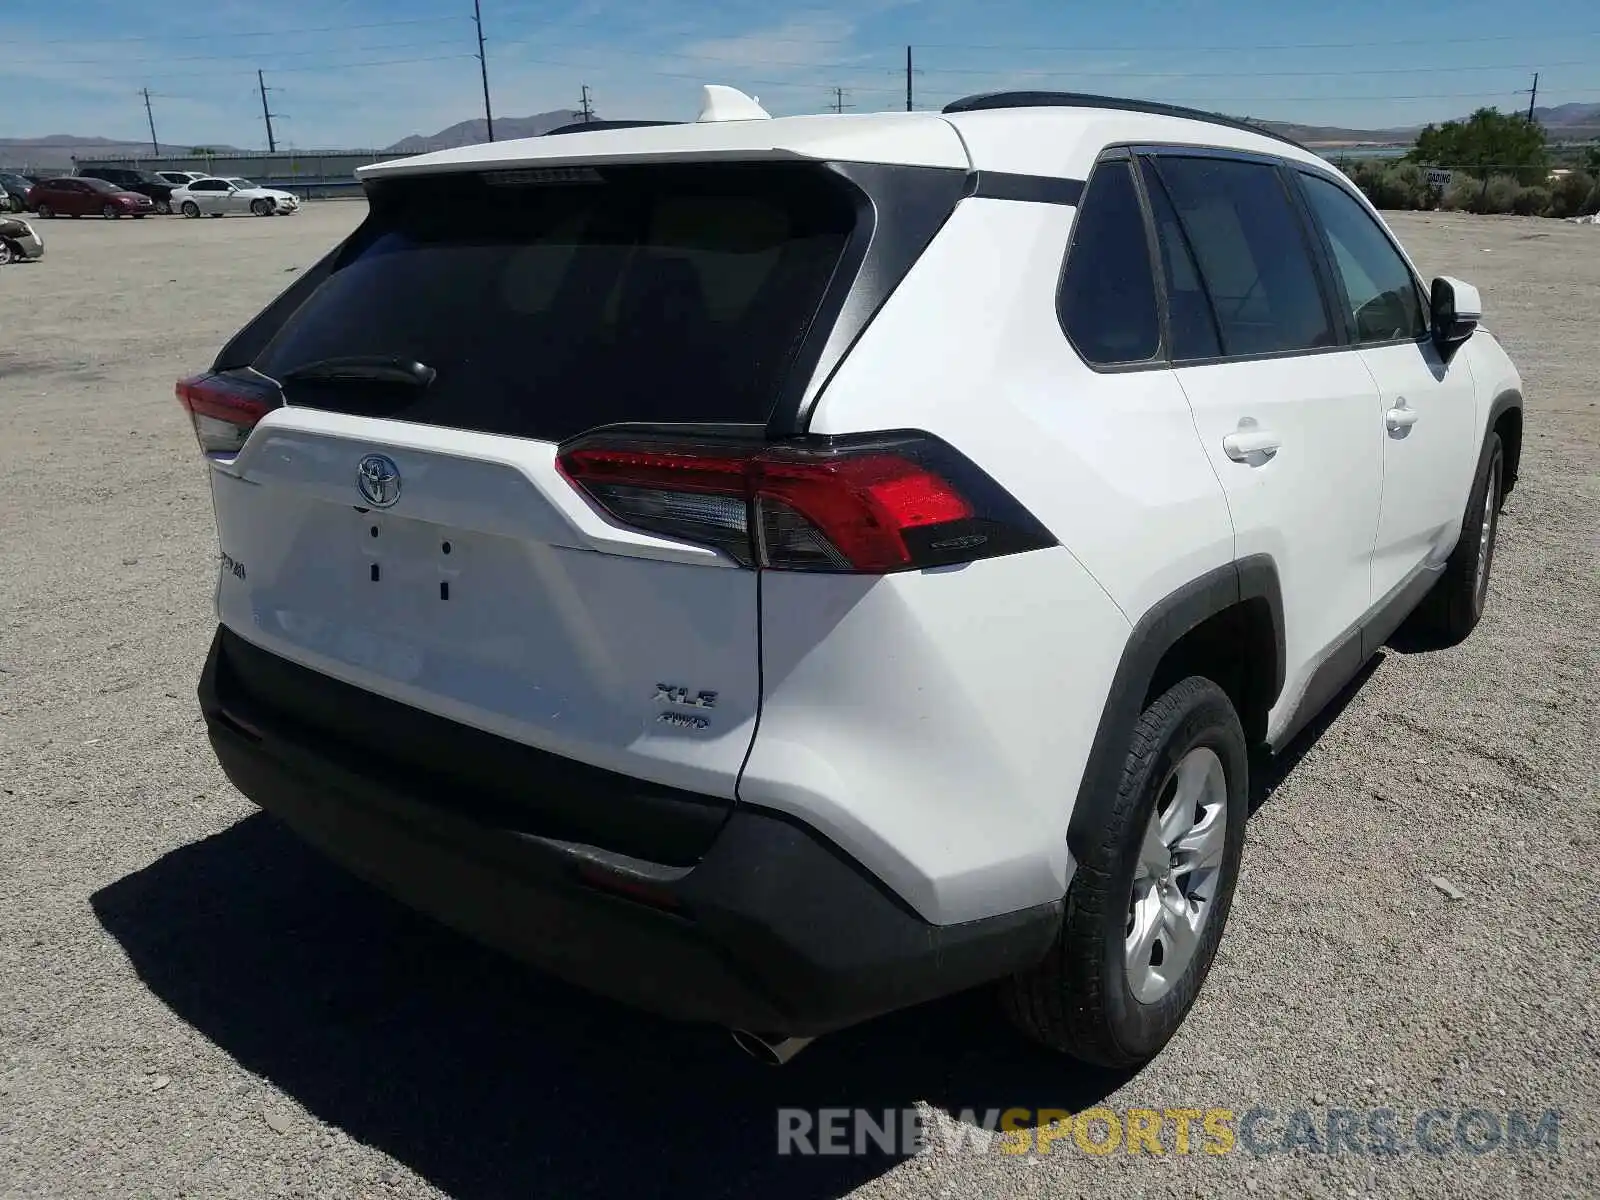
(368, 72)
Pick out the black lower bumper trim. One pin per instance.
(774, 929)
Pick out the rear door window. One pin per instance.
(633, 294)
(1191, 322)
(1252, 250)
(1107, 303)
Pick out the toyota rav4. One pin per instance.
(779, 571)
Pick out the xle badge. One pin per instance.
(670, 694)
(667, 693)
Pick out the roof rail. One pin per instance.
(989, 100)
(591, 126)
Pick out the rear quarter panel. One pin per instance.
(938, 722)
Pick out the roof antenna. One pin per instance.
(720, 103)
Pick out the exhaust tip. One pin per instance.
(773, 1051)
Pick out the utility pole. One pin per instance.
(908, 79)
(483, 68)
(1533, 95)
(266, 114)
(838, 100)
(585, 107)
(155, 146)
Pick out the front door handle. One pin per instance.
(1399, 418)
(1251, 444)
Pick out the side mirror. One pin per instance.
(1457, 309)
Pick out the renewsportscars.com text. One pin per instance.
(1258, 1131)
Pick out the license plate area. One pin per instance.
(410, 560)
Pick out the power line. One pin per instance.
(248, 54)
(1035, 73)
(1145, 48)
(198, 37)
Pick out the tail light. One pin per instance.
(225, 408)
(887, 502)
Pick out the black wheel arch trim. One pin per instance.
(1254, 577)
(1505, 402)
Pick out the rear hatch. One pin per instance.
(399, 520)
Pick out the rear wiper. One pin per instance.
(363, 369)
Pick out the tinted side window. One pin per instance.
(1192, 326)
(1252, 253)
(1108, 292)
(1381, 295)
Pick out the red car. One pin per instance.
(79, 197)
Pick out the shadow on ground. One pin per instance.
(490, 1080)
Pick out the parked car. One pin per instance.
(19, 241)
(216, 197)
(81, 196)
(861, 571)
(146, 183)
(14, 191)
(181, 178)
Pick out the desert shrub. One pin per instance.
(1501, 195)
(1409, 182)
(1461, 195)
(1394, 185)
(1531, 201)
(1573, 195)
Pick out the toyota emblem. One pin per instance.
(378, 480)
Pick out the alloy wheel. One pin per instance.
(1177, 875)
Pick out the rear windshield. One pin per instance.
(636, 294)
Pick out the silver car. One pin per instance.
(18, 241)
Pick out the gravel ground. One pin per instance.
(192, 1005)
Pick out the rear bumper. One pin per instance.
(772, 928)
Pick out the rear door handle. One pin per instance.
(1400, 417)
(1249, 442)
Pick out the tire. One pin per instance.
(261, 208)
(7, 254)
(45, 212)
(109, 212)
(164, 207)
(1086, 999)
(1453, 608)
(189, 209)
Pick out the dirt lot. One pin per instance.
(190, 1004)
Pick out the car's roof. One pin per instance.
(1036, 139)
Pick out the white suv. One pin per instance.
(778, 571)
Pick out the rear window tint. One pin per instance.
(1252, 253)
(1108, 291)
(643, 294)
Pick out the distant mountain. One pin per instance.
(55, 151)
(1337, 135)
(1563, 123)
(470, 133)
(1570, 122)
